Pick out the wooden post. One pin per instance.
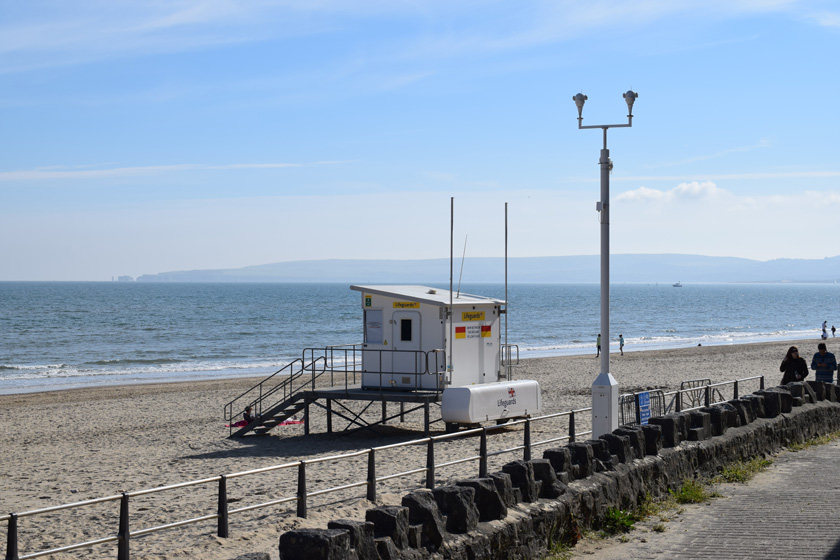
(301, 491)
(223, 508)
(371, 476)
(123, 533)
(430, 464)
(12, 538)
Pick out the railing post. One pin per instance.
(762, 383)
(430, 464)
(301, 490)
(736, 390)
(329, 416)
(679, 401)
(708, 395)
(482, 454)
(426, 418)
(526, 455)
(223, 508)
(306, 416)
(384, 412)
(371, 476)
(572, 427)
(123, 533)
(12, 538)
(636, 398)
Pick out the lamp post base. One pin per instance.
(604, 405)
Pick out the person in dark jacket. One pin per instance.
(794, 367)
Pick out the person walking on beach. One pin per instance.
(598, 345)
(824, 334)
(833, 330)
(824, 364)
(794, 367)
(621, 343)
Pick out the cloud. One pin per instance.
(692, 191)
(53, 173)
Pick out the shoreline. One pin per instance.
(71, 445)
(42, 385)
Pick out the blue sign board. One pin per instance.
(643, 406)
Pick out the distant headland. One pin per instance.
(634, 268)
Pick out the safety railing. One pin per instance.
(696, 393)
(510, 359)
(221, 512)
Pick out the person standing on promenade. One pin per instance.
(824, 364)
(621, 343)
(598, 345)
(794, 367)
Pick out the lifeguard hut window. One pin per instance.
(405, 330)
(373, 326)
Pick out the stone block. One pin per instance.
(583, 458)
(604, 460)
(773, 402)
(745, 410)
(696, 434)
(819, 389)
(361, 536)
(386, 549)
(757, 402)
(670, 425)
(637, 439)
(505, 487)
(458, 505)
(522, 477)
(550, 488)
(315, 544)
(703, 422)
(798, 401)
(390, 521)
(560, 459)
(653, 438)
(619, 446)
(423, 511)
(487, 499)
(717, 419)
(831, 392)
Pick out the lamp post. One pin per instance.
(605, 387)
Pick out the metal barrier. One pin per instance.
(222, 513)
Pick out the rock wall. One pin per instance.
(520, 512)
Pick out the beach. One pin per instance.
(67, 446)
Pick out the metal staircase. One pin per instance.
(276, 398)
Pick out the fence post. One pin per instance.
(301, 491)
(526, 455)
(708, 395)
(371, 476)
(679, 401)
(426, 417)
(430, 464)
(12, 538)
(636, 398)
(736, 390)
(223, 508)
(762, 383)
(123, 533)
(329, 416)
(306, 416)
(572, 427)
(482, 455)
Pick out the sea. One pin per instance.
(60, 335)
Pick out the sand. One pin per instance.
(67, 446)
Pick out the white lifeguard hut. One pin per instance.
(422, 338)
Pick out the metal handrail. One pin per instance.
(370, 482)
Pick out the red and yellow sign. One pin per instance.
(460, 332)
(485, 331)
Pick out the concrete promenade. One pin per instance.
(791, 511)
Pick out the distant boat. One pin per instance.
(677, 285)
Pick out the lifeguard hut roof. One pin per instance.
(425, 294)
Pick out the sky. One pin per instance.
(139, 137)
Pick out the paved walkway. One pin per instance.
(790, 511)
